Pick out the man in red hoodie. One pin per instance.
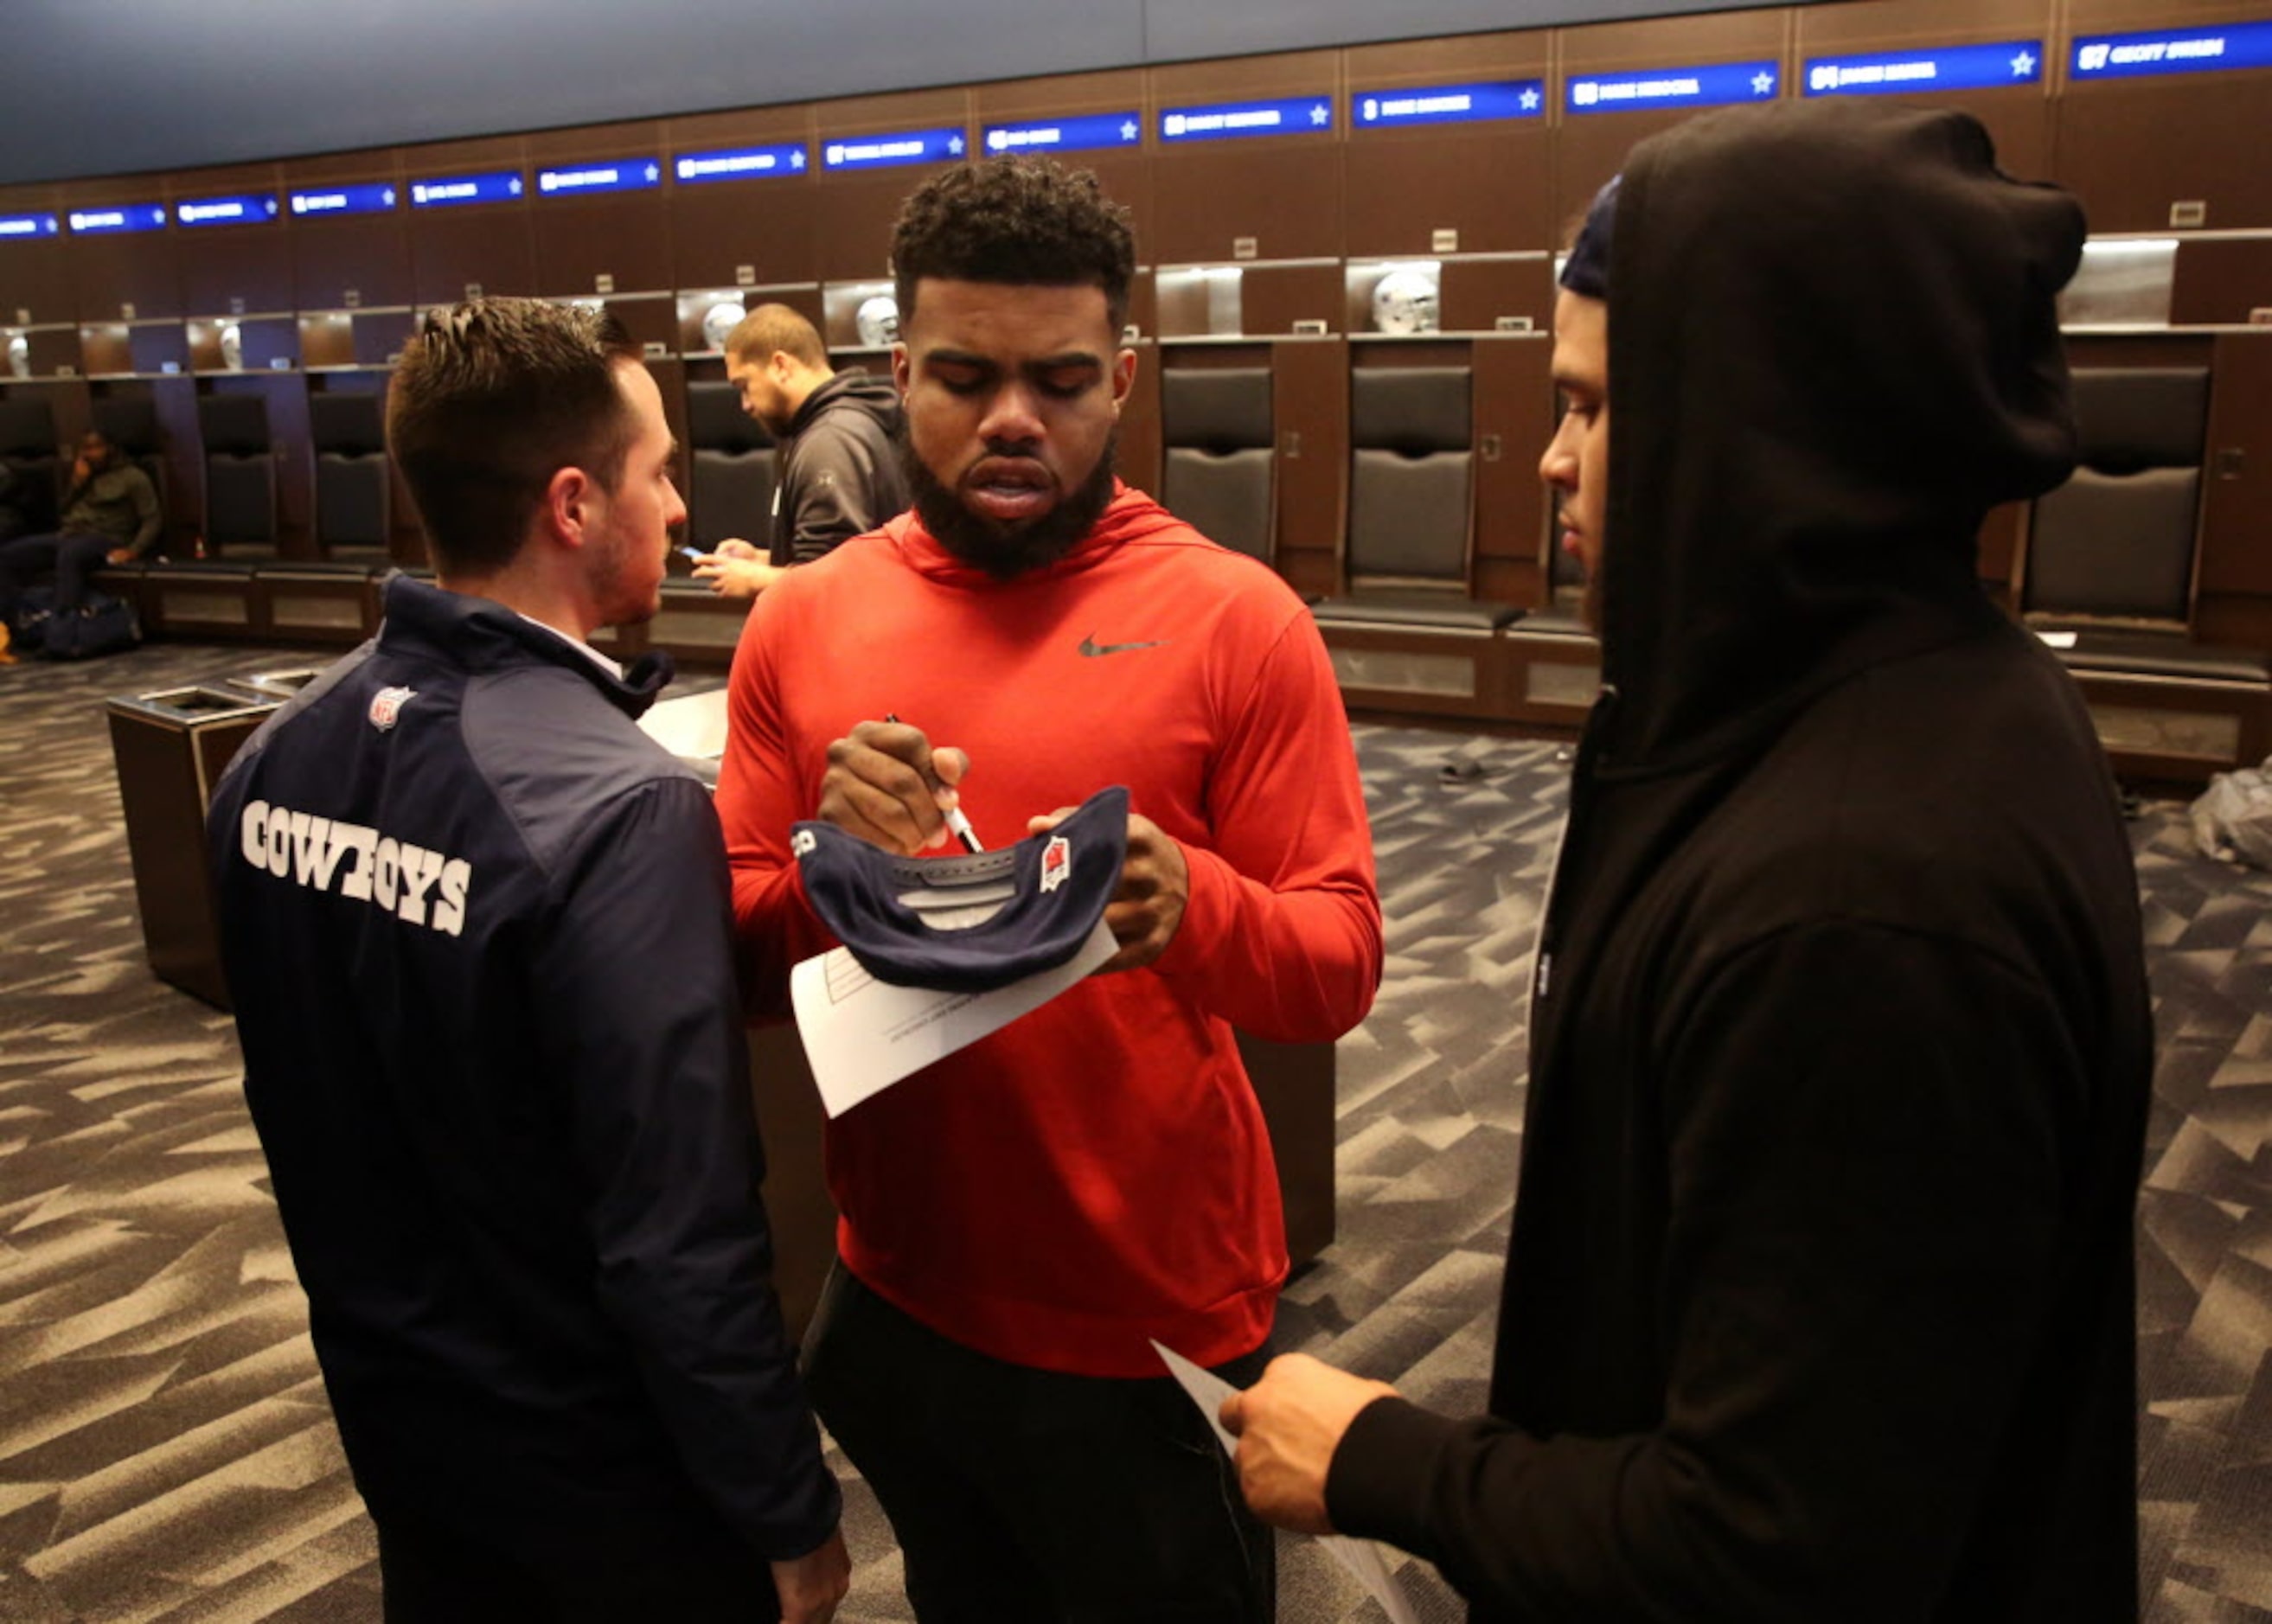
(1021, 1219)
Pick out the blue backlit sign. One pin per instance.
(14, 225)
(226, 210)
(1305, 116)
(1064, 135)
(1676, 87)
(447, 190)
(625, 174)
(1956, 67)
(371, 199)
(742, 163)
(1449, 104)
(881, 152)
(128, 217)
(2178, 50)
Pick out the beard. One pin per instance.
(1006, 552)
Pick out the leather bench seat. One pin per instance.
(1418, 607)
(2145, 653)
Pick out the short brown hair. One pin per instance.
(491, 399)
(1018, 221)
(775, 327)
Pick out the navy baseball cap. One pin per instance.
(1587, 271)
(968, 924)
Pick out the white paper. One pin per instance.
(1208, 1390)
(863, 1035)
(692, 725)
(2058, 639)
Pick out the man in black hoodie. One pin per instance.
(1818, 1301)
(838, 471)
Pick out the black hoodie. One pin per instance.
(1819, 1302)
(839, 467)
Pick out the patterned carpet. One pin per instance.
(165, 1450)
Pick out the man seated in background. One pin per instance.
(837, 472)
(109, 515)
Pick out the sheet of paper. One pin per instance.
(692, 725)
(2058, 639)
(863, 1035)
(1208, 1390)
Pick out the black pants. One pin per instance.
(686, 1570)
(1026, 1495)
(73, 558)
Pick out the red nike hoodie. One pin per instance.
(1096, 1173)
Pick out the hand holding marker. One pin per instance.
(957, 824)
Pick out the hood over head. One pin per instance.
(1833, 347)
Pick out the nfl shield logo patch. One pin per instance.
(387, 706)
(1057, 862)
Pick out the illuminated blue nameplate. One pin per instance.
(1957, 67)
(1676, 87)
(881, 152)
(373, 199)
(629, 175)
(1449, 104)
(1066, 135)
(2181, 50)
(445, 191)
(226, 210)
(130, 217)
(1305, 116)
(742, 163)
(12, 226)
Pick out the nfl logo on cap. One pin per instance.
(1057, 862)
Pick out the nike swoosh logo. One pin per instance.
(1091, 649)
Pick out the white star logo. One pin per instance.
(1763, 84)
(1320, 112)
(1128, 130)
(954, 146)
(2023, 65)
(1530, 101)
(796, 159)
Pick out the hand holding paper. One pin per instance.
(1222, 1404)
(1288, 1424)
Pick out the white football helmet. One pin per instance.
(1405, 301)
(877, 319)
(719, 321)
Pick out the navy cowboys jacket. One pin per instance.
(476, 928)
